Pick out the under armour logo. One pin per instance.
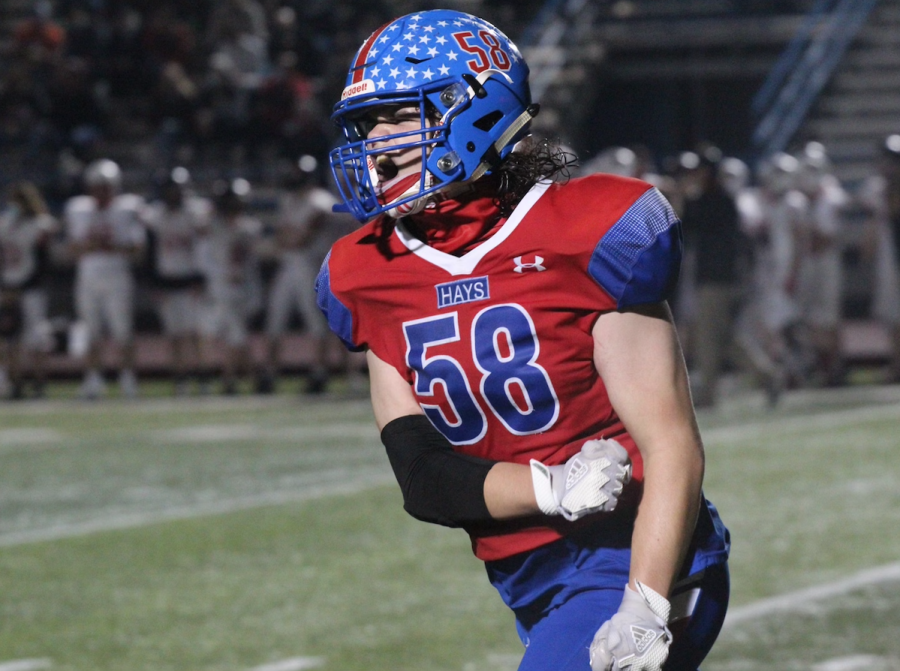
(521, 267)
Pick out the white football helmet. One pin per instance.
(779, 172)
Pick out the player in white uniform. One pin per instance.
(106, 237)
(771, 217)
(230, 265)
(819, 267)
(879, 195)
(303, 239)
(174, 225)
(26, 228)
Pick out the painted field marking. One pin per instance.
(215, 433)
(293, 664)
(801, 599)
(26, 665)
(360, 480)
(857, 663)
(28, 436)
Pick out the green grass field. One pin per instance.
(266, 534)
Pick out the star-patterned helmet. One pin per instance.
(470, 85)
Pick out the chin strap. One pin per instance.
(492, 155)
(414, 206)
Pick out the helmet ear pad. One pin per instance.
(473, 128)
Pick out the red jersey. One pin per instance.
(496, 344)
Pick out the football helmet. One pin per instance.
(103, 173)
(469, 84)
(891, 147)
(734, 175)
(814, 167)
(778, 173)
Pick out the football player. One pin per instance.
(174, 224)
(302, 240)
(230, 265)
(819, 267)
(879, 196)
(26, 231)
(523, 362)
(107, 238)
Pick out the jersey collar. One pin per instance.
(466, 264)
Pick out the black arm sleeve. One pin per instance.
(439, 485)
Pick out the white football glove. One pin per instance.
(636, 637)
(588, 482)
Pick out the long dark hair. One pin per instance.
(535, 159)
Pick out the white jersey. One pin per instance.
(177, 234)
(227, 255)
(20, 241)
(819, 267)
(782, 217)
(112, 232)
(886, 292)
(751, 210)
(824, 216)
(873, 196)
(297, 215)
(776, 256)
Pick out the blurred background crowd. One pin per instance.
(166, 199)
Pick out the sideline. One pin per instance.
(801, 599)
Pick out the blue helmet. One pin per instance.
(470, 85)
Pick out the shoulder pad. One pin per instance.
(638, 259)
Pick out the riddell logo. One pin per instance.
(365, 86)
(643, 638)
(521, 266)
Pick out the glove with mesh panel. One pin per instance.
(589, 482)
(636, 637)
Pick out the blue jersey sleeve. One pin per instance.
(339, 317)
(637, 261)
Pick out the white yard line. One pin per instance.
(191, 403)
(216, 433)
(801, 599)
(26, 665)
(293, 664)
(358, 482)
(855, 663)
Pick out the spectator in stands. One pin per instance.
(76, 111)
(285, 113)
(174, 224)
(302, 241)
(712, 229)
(238, 63)
(106, 238)
(820, 267)
(880, 196)
(26, 229)
(229, 262)
(39, 39)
